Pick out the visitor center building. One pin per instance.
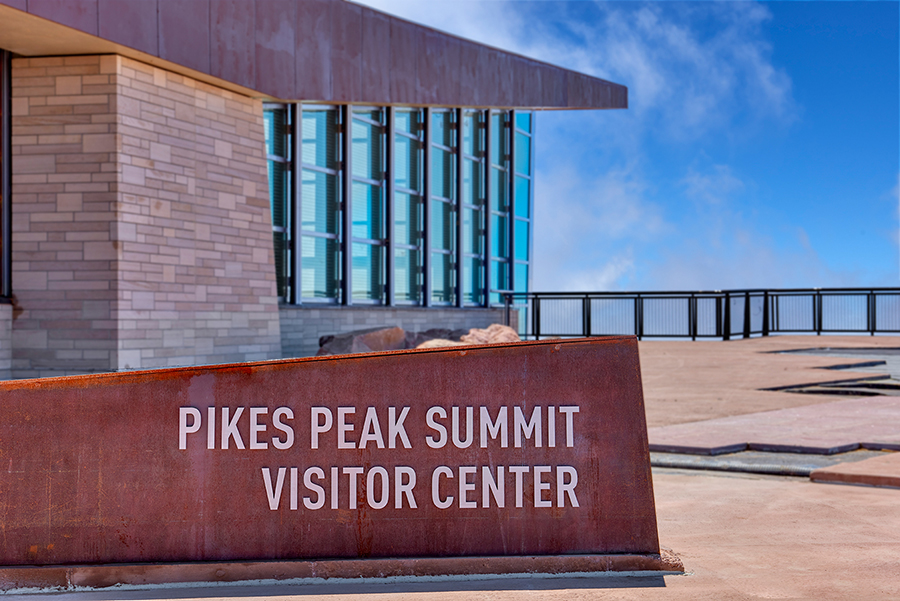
(187, 182)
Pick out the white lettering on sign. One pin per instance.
(378, 487)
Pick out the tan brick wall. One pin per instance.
(142, 234)
(64, 205)
(196, 267)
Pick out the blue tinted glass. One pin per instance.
(499, 279)
(318, 209)
(473, 280)
(406, 274)
(473, 232)
(441, 278)
(319, 260)
(319, 144)
(407, 121)
(523, 154)
(523, 121)
(442, 128)
(367, 266)
(473, 137)
(499, 236)
(406, 218)
(473, 188)
(367, 156)
(442, 173)
(367, 211)
(521, 279)
(407, 159)
(521, 240)
(442, 223)
(498, 139)
(499, 194)
(273, 125)
(523, 197)
(278, 186)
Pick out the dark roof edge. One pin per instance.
(331, 51)
(495, 48)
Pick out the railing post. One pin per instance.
(718, 316)
(639, 315)
(586, 316)
(747, 315)
(818, 312)
(692, 316)
(765, 324)
(536, 317)
(874, 313)
(727, 320)
(507, 303)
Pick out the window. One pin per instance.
(320, 198)
(409, 132)
(275, 120)
(443, 201)
(472, 201)
(522, 200)
(499, 209)
(367, 204)
(388, 196)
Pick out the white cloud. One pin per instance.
(598, 225)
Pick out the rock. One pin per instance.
(414, 339)
(364, 341)
(440, 343)
(495, 333)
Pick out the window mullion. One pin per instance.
(458, 204)
(295, 200)
(389, 206)
(346, 193)
(426, 210)
(510, 182)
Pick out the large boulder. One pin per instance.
(363, 341)
(494, 333)
(392, 339)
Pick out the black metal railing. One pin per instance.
(723, 314)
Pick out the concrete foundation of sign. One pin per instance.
(101, 576)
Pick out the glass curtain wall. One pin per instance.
(367, 205)
(443, 201)
(473, 208)
(480, 204)
(409, 133)
(499, 183)
(275, 120)
(522, 203)
(320, 201)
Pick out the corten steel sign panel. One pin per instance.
(531, 448)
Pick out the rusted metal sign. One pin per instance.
(531, 448)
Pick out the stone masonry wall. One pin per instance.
(196, 268)
(142, 235)
(64, 189)
(301, 326)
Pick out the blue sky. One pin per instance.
(761, 147)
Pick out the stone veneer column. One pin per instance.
(142, 233)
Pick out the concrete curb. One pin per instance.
(69, 578)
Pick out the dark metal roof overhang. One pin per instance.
(311, 50)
